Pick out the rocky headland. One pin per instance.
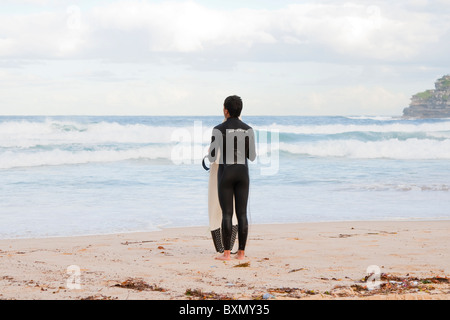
(431, 103)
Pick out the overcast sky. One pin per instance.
(184, 57)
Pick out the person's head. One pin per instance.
(233, 104)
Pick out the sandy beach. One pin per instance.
(285, 261)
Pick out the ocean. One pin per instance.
(84, 175)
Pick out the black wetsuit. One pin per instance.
(233, 177)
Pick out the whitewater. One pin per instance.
(76, 175)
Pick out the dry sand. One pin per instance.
(289, 261)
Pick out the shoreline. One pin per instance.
(161, 229)
(311, 260)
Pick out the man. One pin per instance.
(233, 142)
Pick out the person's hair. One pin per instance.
(234, 106)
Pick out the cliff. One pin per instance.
(431, 103)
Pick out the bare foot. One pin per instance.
(226, 255)
(240, 255)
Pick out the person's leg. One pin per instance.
(241, 191)
(225, 189)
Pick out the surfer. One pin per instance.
(233, 142)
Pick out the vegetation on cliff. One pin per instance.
(433, 103)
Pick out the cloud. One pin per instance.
(150, 57)
(129, 30)
(180, 29)
(355, 100)
(42, 35)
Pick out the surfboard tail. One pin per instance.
(217, 238)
